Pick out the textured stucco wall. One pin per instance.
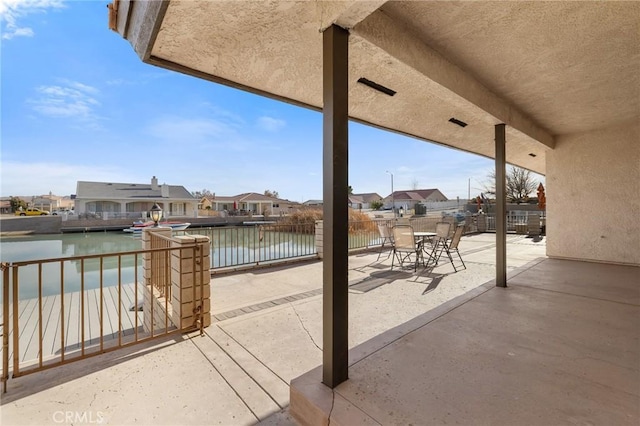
(593, 196)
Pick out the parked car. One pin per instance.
(63, 211)
(31, 211)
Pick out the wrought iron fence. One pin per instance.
(233, 246)
(517, 221)
(49, 319)
(254, 245)
(247, 245)
(364, 234)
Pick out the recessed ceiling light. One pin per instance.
(376, 86)
(458, 122)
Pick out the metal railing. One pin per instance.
(254, 245)
(363, 234)
(48, 321)
(516, 220)
(107, 215)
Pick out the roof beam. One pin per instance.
(139, 22)
(349, 14)
(394, 38)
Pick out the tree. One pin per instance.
(377, 205)
(272, 194)
(519, 184)
(350, 190)
(203, 193)
(16, 203)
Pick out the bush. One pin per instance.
(361, 222)
(302, 216)
(358, 221)
(377, 205)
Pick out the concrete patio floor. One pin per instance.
(560, 345)
(267, 331)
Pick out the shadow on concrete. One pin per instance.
(431, 279)
(377, 279)
(32, 383)
(435, 281)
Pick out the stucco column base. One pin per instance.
(312, 403)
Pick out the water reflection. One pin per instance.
(229, 247)
(38, 247)
(32, 247)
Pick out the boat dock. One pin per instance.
(56, 225)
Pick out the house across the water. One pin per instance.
(113, 199)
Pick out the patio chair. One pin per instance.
(439, 243)
(405, 246)
(452, 247)
(387, 237)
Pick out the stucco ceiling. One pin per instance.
(570, 66)
(543, 68)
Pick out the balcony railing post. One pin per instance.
(16, 324)
(5, 325)
(191, 281)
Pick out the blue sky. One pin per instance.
(79, 105)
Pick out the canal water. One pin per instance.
(53, 246)
(230, 246)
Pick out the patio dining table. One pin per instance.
(426, 238)
(424, 235)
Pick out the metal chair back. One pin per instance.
(403, 238)
(405, 246)
(455, 240)
(442, 230)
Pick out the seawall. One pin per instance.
(55, 224)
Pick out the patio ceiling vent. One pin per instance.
(458, 122)
(376, 86)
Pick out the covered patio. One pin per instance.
(428, 347)
(553, 87)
